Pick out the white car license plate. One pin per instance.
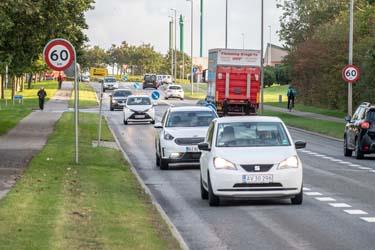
(140, 116)
(259, 178)
(192, 149)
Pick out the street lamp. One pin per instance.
(175, 44)
(226, 24)
(192, 44)
(262, 59)
(171, 42)
(269, 59)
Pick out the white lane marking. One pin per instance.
(355, 211)
(339, 205)
(319, 155)
(346, 163)
(336, 160)
(368, 219)
(372, 171)
(364, 168)
(354, 165)
(313, 193)
(306, 189)
(325, 199)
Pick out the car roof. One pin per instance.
(229, 119)
(121, 90)
(190, 108)
(139, 96)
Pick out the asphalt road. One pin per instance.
(338, 210)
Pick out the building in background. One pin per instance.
(274, 55)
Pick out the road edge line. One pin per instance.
(315, 133)
(176, 234)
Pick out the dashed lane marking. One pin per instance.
(306, 189)
(364, 168)
(355, 211)
(313, 193)
(339, 205)
(325, 199)
(368, 219)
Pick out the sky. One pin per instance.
(147, 21)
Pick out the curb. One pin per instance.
(176, 234)
(316, 134)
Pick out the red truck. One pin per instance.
(234, 81)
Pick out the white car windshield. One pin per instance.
(139, 101)
(190, 118)
(251, 134)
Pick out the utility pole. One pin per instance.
(269, 59)
(350, 85)
(192, 45)
(226, 24)
(175, 44)
(171, 42)
(201, 39)
(182, 50)
(262, 60)
(243, 40)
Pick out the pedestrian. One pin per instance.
(291, 97)
(60, 80)
(42, 95)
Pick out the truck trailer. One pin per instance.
(234, 81)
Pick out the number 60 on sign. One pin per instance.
(59, 54)
(351, 73)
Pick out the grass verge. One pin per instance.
(11, 114)
(87, 97)
(198, 94)
(334, 129)
(97, 204)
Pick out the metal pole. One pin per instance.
(269, 59)
(350, 86)
(262, 60)
(6, 82)
(76, 106)
(226, 24)
(243, 41)
(201, 39)
(192, 47)
(175, 44)
(182, 44)
(100, 114)
(171, 48)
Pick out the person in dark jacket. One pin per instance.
(60, 80)
(291, 97)
(42, 95)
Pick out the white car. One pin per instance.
(175, 91)
(139, 108)
(109, 83)
(179, 133)
(250, 157)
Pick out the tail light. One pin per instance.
(365, 125)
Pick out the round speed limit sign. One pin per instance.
(59, 54)
(351, 73)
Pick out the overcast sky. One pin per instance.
(146, 21)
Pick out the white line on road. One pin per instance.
(306, 189)
(339, 205)
(313, 193)
(354, 165)
(368, 219)
(355, 211)
(364, 168)
(325, 199)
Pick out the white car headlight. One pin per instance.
(168, 137)
(291, 162)
(220, 163)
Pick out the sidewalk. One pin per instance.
(19, 145)
(305, 114)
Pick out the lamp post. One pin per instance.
(262, 59)
(226, 24)
(192, 45)
(269, 59)
(175, 44)
(171, 42)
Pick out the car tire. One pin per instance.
(204, 192)
(152, 122)
(298, 199)
(164, 164)
(157, 160)
(111, 108)
(213, 200)
(103, 90)
(125, 122)
(181, 99)
(347, 152)
(166, 98)
(358, 153)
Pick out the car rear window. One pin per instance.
(150, 78)
(122, 93)
(371, 115)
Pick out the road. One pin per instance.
(338, 210)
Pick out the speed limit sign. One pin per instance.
(59, 54)
(351, 73)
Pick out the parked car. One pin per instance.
(139, 109)
(109, 83)
(118, 99)
(174, 91)
(85, 78)
(250, 157)
(150, 81)
(178, 135)
(359, 133)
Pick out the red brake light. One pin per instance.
(365, 125)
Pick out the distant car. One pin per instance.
(150, 81)
(118, 99)
(174, 91)
(167, 79)
(250, 157)
(139, 108)
(49, 76)
(85, 78)
(109, 83)
(359, 133)
(179, 133)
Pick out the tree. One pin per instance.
(269, 76)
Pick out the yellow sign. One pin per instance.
(98, 72)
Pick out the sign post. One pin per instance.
(59, 54)
(350, 74)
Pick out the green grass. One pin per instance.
(334, 129)
(11, 114)
(97, 204)
(198, 94)
(271, 94)
(87, 97)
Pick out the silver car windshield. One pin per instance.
(139, 101)
(251, 134)
(190, 118)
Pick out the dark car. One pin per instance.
(118, 99)
(150, 81)
(360, 132)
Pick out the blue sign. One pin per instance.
(137, 85)
(195, 70)
(155, 95)
(18, 97)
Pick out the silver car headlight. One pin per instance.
(168, 137)
(291, 162)
(220, 163)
